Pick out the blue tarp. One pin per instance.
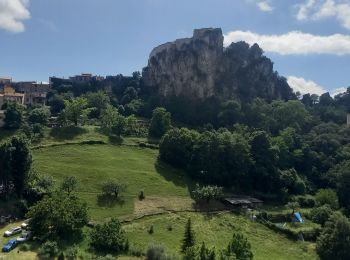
(298, 218)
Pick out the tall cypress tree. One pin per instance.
(188, 240)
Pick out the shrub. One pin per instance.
(142, 195)
(306, 201)
(24, 247)
(48, 249)
(109, 237)
(321, 214)
(72, 253)
(151, 230)
(158, 252)
(327, 196)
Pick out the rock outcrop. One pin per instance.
(200, 67)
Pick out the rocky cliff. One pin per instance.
(200, 67)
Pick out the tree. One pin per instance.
(334, 241)
(293, 205)
(239, 248)
(56, 103)
(58, 216)
(230, 113)
(207, 193)
(98, 101)
(206, 253)
(39, 116)
(160, 122)
(75, 109)
(327, 197)
(342, 173)
(176, 146)
(15, 163)
(109, 237)
(13, 115)
(321, 214)
(112, 121)
(69, 184)
(189, 239)
(112, 187)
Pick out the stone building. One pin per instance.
(35, 93)
(9, 94)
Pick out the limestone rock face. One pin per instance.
(200, 67)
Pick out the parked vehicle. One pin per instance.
(11, 244)
(25, 224)
(12, 231)
(25, 236)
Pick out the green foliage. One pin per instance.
(15, 163)
(189, 238)
(293, 205)
(176, 146)
(75, 110)
(58, 216)
(327, 197)
(48, 250)
(321, 214)
(109, 237)
(72, 253)
(39, 116)
(291, 180)
(115, 123)
(160, 122)
(230, 113)
(157, 252)
(113, 188)
(69, 184)
(334, 241)
(98, 101)
(207, 193)
(238, 248)
(13, 115)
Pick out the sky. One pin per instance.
(308, 40)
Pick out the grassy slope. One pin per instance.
(93, 164)
(216, 230)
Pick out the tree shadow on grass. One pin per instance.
(67, 132)
(113, 139)
(109, 201)
(176, 176)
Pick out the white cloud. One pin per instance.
(338, 91)
(294, 42)
(304, 9)
(12, 14)
(310, 87)
(305, 86)
(265, 6)
(320, 9)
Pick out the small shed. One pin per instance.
(239, 202)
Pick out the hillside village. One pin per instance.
(206, 154)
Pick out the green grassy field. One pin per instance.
(216, 230)
(92, 164)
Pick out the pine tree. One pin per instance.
(188, 240)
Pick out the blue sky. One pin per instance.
(308, 40)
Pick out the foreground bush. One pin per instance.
(109, 237)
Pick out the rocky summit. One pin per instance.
(201, 67)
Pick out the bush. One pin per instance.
(24, 247)
(72, 253)
(321, 214)
(158, 252)
(151, 230)
(109, 237)
(306, 201)
(48, 249)
(142, 195)
(327, 196)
